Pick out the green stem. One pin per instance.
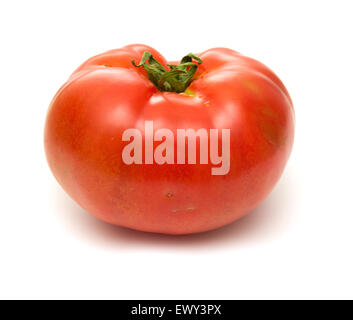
(177, 79)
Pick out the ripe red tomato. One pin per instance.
(217, 89)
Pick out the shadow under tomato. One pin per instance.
(269, 220)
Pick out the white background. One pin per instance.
(296, 244)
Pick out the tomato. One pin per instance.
(217, 91)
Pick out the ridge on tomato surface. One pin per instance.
(169, 147)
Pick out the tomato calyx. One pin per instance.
(177, 79)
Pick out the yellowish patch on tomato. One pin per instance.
(268, 124)
(252, 86)
(189, 92)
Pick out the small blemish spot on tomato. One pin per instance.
(190, 208)
(169, 195)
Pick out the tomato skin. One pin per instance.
(88, 115)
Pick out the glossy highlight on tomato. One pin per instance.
(108, 94)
